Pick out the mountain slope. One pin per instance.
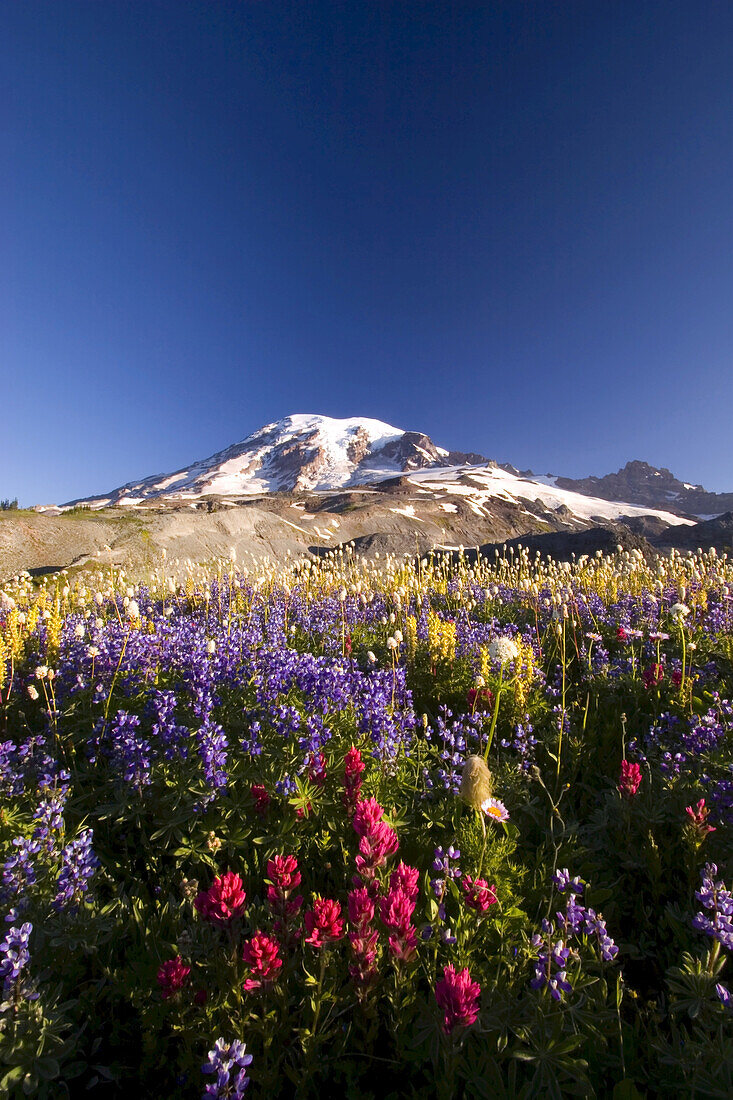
(300, 452)
(307, 453)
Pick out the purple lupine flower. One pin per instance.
(49, 813)
(577, 920)
(18, 871)
(571, 921)
(523, 743)
(213, 752)
(14, 957)
(78, 864)
(128, 753)
(718, 900)
(551, 965)
(724, 996)
(228, 1061)
(447, 862)
(596, 926)
(563, 881)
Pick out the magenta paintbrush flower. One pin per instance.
(458, 996)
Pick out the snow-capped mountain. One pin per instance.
(310, 453)
(300, 452)
(308, 484)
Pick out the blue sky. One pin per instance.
(509, 225)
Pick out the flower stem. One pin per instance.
(495, 715)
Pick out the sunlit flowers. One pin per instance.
(698, 815)
(503, 650)
(477, 894)
(224, 901)
(495, 810)
(323, 923)
(630, 779)
(261, 955)
(458, 998)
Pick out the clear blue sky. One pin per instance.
(506, 224)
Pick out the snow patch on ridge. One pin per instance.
(493, 482)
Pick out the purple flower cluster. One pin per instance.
(228, 1063)
(718, 901)
(551, 966)
(563, 882)
(453, 735)
(19, 871)
(578, 920)
(78, 864)
(119, 742)
(523, 743)
(447, 867)
(14, 957)
(553, 955)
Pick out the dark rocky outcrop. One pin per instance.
(652, 487)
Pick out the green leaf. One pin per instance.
(12, 1077)
(626, 1090)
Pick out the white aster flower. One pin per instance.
(495, 809)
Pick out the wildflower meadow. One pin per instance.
(369, 829)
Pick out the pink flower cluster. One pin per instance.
(396, 911)
(477, 894)
(223, 901)
(377, 842)
(698, 815)
(363, 939)
(479, 699)
(653, 675)
(261, 798)
(458, 996)
(630, 779)
(283, 879)
(317, 769)
(377, 839)
(262, 956)
(323, 923)
(353, 767)
(172, 976)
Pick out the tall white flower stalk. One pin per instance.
(503, 650)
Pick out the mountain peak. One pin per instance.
(302, 451)
(657, 487)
